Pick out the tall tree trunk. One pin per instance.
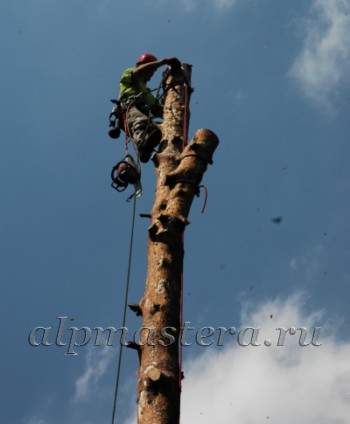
(179, 170)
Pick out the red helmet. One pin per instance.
(146, 58)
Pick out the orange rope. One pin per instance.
(184, 143)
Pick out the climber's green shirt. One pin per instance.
(130, 86)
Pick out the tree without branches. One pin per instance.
(179, 171)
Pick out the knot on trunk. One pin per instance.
(164, 224)
(156, 381)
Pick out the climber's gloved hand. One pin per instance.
(173, 61)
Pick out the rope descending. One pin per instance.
(127, 284)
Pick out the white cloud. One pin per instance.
(43, 415)
(97, 362)
(324, 62)
(254, 385)
(310, 265)
(271, 384)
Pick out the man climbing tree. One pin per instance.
(140, 106)
(179, 168)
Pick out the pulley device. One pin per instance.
(127, 172)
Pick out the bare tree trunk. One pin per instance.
(179, 171)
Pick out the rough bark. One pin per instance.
(179, 171)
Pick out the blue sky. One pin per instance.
(271, 79)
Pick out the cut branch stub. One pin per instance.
(194, 158)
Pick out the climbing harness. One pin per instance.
(117, 116)
(127, 284)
